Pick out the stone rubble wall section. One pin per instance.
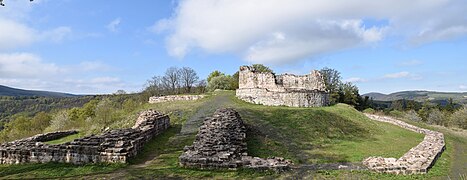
(48, 136)
(160, 99)
(417, 160)
(282, 90)
(115, 146)
(221, 143)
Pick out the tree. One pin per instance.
(437, 117)
(332, 81)
(171, 79)
(214, 74)
(220, 82)
(188, 78)
(413, 116)
(201, 86)
(262, 68)
(349, 94)
(120, 92)
(459, 118)
(235, 80)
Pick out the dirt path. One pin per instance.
(193, 123)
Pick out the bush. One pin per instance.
(221, 82)
(437, 117)
(369, 111)
(459, 118)
(396, 113)
(412, 115)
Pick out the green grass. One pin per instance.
(322, 135)
(65, 139)
(305, 135)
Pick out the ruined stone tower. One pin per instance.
(282, 90)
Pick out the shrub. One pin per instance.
(437, 117)
(396, 113)
(412, 115)
(459, 118)
(220, 82)
(369, 111)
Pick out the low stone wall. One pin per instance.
(290, 98)
(48, 136)
(115, 146)
(159, 99)
(221, 143)
(417, 160)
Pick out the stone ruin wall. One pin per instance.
(115, 146)
(221, 143)
(287, 89)
(417, 160)
(160, 99)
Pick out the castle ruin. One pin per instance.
(282, 90)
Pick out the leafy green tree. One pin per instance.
(262, 68)
(215, 73)
(235, 80)
(349, 94)
(332, 81)
(221, 82)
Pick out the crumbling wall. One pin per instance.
(221, 143)
(115, 146)
(287, 89)
(159, 99)
(417, 160)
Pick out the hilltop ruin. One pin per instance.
(282, 90)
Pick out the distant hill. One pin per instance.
(8, 91)
(459, 97)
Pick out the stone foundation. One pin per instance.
(417, 160)
(282, 90)
(116, 146)
(159, 99)
(221, 143)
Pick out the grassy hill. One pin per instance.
(459, 97)
(305, 135)
(8, 91)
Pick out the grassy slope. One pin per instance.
(305, 135)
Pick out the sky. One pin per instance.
(98, 47)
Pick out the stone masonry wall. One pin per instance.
(159, 99)
(221, 143)
(115, 146)
(417, 160)
(287, 89)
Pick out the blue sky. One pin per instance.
(87, 47)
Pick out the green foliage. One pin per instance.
(23, 126)
(235, 77)
(262, 68)
(369, 111)
(221, 82)
(214, 74)
(459, 118)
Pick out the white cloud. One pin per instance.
(26, 65)
(463, 87)
(397, 75)
(306, 28)
(403, 74)
(14, 34)
(355, 80)
(30, 71)
(113, 25)
(56, 35)
(410, 63)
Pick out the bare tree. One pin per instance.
(188, 77)
(171, 79)
(201, 86)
